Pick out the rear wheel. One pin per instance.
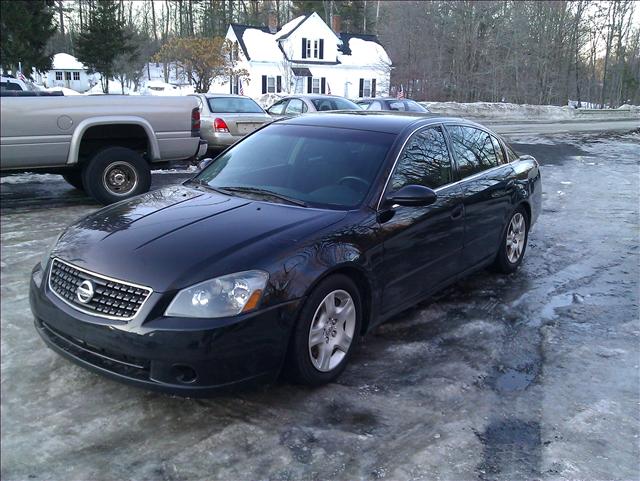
(514, 242)
(74, 178)
(116, 173)
(326, 332)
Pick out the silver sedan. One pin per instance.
(300, 104)
(225, 118)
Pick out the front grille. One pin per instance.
(112, 299)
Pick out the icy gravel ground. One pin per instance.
(530, 376)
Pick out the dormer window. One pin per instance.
(313, 48)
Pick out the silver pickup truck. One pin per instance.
(104, 144)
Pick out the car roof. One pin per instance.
(377, 121)
(314, 97)
(213, 96)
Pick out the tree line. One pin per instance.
(517, 51)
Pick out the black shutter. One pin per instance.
(264, 84)
(279, 84)
(323, 85)
(309, 84)
(373, 87)
(231, 84)
(361, 91)
(321, 48)
(304, 48)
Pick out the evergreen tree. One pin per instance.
(104, 39)
(25, 28)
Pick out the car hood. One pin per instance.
(177, 236)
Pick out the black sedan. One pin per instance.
(284, 250)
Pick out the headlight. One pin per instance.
(223, 296)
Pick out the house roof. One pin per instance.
(64, 61)
(258, 43)
(239, 29)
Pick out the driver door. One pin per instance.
(422, 245)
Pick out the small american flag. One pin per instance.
(240, 89)
(22, 77)
(328, 89)
(400, 93)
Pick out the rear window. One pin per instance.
(234, 105)
(334, 104)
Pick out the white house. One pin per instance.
(306, 56)
(66, 71)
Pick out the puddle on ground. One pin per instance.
(514, 380)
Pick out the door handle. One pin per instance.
(456, 213)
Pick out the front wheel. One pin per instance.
(514, 242)
(326, 332)
(116, 173)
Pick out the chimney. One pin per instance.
(336, 24)
(272, 21)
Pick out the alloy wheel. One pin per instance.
(332, 330)
(516, 236)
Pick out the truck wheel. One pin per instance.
(74, 179)
(116, 173)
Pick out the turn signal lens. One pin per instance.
(220, 125)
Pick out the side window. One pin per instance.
(424, 161)
(498, 149)
(511, 154)
(277, 108)
(473, 150)
(295, 106)
(375, 105)
(396, 105)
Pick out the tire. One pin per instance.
(320, 350)
(513, 243)
(74, 179)
(114, 174)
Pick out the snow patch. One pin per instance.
(289, 26)
(28, 177)
(261, 46)
(64, 61)
(365, 52)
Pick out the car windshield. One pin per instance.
(334, 104)
(316, 166)
(234, 105)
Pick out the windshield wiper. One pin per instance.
(269, 193)
(204, 184)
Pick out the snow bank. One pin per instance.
(267, 100)
(65, 91)
(483, 110)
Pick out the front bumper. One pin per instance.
(169, 354)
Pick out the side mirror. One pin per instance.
(412, 195)
(204, 163)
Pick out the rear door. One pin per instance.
(487, 181)
(422, 245)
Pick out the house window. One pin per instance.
(58, 75)
(313, 48)
(67, 75)
(367, 88)
(76, 75)
(315, 87)
(271, 85)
